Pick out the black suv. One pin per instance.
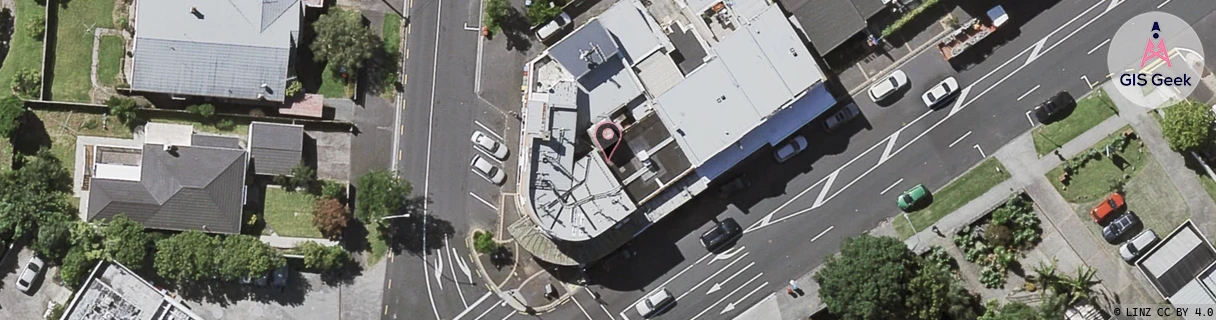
(721, 235)
(1048, 109)
(1117, 228)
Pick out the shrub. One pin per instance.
(332, 189)
(89, 124)
(205, 110)
(323, 258)
(28, 83)
(125, 109)
(330, 217)
(36, 27)
(294, 88)
(907, 17)
(483, 242)
(225, 125)
(283, 181)
(998, 235)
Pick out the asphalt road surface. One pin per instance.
(797, 213)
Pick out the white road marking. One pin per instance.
(1163, 4)
(728, 295)
(731, 306)
(1034, 54)
(1112, 5)
(718, 286)
(580, 307)
(483, 201)
(475, 304)
(725, 255)
(826, 187)
(703, 281)
(958, 104)
(454, 282)
(426, 180)
(981, 150)
(599, 302)
(481, 5)
(959, 139)
(439, 270)
(1087, 83)
(463, 266)
(1023, 96)
(886, 152)
(664, 284)
(491, 132)
(1099, 46)
(825, 231)
(606, 312)
(508, 316)
(468, 28)
(483, 313)
(1028, 119)
(884, 191)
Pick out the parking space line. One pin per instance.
(884, 191)
(1099, 46)
(509, 315)
(825, 231)
(580, 308)
(959, 139)
(478, 123)
(1036, 87)
(483, 201)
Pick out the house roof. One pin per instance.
(206, 140)
(1177, 261)
(275, 148)
(198, 188)
(227, 49)
(828, 23)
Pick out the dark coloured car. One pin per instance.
(1045, 111)
(721, 235)
(1120, 226)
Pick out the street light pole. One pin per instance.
(914, 230)
(396, 216)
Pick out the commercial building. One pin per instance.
(113, 292)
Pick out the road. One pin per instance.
(846, 183)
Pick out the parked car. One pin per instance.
(722, 234)
(483, 142)
(1109, 207)
(487, 170)
(1138, 246)
(549, 29)
(1118, 227)
(1047, 109)
(33, 269)
(912, 198)
(655, 302)
(841, 117)
(885, 87)
(940, 92)
(789, 149)
(738, 183)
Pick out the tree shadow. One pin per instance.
(32, 135)
(502, 257)
(407, 233)
(343, 276)
(517, 30)
(226, 293)
(381, 70)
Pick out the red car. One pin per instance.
(1108, 208)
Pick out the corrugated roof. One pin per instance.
(828, 23)
(275, 148)
(1177, 261)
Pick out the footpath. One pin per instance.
(1118, 282)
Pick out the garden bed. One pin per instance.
(1092, 174)
(996, 240)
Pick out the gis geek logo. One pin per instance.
(1149, 72)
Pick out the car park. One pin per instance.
(31, 271)
(490, 146)
(1120, 226)
(940, 92)
(789, 149)
(883, 89)
(841, 117)
(655, 303)
(1108, 208)
(487, 170)
(912, 198)
(1138, 245)
(561, 21)
(1052, 106)
(722, 234)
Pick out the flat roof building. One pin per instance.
(1181, 267)
(113, 292)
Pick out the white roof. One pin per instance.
(168, 134)
(637, 34)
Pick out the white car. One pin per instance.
(940, 92)
(1138, 245)
(551, 28)
(654, 303)
(487, 170)
(32, 270)
(790, 149)
(483, 142)
(885, 87)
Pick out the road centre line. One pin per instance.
(703, 281)
(664, 284)
(1099, 46)
(959, 139)
(825, 231)
(475, 304)
(478, 123)
(483, 201)
(732, 292)
(884, 191)
(1023, 96)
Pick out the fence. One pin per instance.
(181, 114)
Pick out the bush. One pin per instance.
(76, 267)
(36, 27)
(323, 258)
(998, 235)
(542, 11)
(330, 217)
(89, 124)
(302, 176)
(333, 190)
(294, 88)
(283, 181)
(226, 125)
(483, 242)
(907, 17)
(205, 110)
(125, 109)
(28, 83)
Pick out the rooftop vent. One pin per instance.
(170, 148)
(261, 96)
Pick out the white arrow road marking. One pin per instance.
(718, 286)
(1099, 46)
(1036, 87)
(1112, 5)
(475, 304)
(727, 296)
(969, 133)
(439, 270)
(725, 255)
(886, 152)
(1028, 119)
(825, 231)
(977, 147)
(731, 306)
(884, 191)
(463, 267)
(703, 281)
(1034, 53)
(826, 187)
(454, 282)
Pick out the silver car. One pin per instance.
(940, 92)
(654, 303)
(885, 87)
(1136, 247)
(487, 170)
(32, 270)
(485, 143)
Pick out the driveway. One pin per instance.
(306, 297)
(15, 304)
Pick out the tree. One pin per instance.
(343, 41)
(868, 280)
(379, 194)
(125, 241)
(483, 242)
(125, 109)
(496, 13)
(33, 194)
(27, 83)
(54, 238)
(87, 238)
(1187, 125)
(330, 217)
(187, 256)
(245, 256)
(76, 266)
(323, 258)
(542, 12)
(205, 110)
(11, 111)
(302, 176)
(933, 292)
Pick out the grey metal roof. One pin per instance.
(828, 23)
(591, 41)
(206, 140)
(608, 88)
(629, 25)
(201, 188)
(275, 148)
(1177, 260)
(227, 49)
(688, 48)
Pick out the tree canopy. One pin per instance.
(33, 194)
(246, 256)
(125, 241)
(323, 258)
(1187, 125)
(378, 194)
(330, 217)
(343, 41)
(187, 256)
(11, 110)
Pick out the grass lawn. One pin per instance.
(289, 214)
(1092, 182)
(109, 60)
(25, 52)
(62, 127)
(332, 85)
(1090, 111)
(74, 47)
(391, 32)
(1208, 185)
(379, 246)
(965, 188)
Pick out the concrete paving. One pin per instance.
(15, 304)
(307, 297)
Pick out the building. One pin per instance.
(113, 292)
(630, 116)
(1181, 267)
(167, 177)
(829, 23)
(275, 148)
(238, 50)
